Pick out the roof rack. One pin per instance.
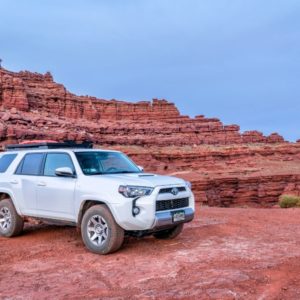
(49, 145)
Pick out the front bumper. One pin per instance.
(164, 219)
(148, 218)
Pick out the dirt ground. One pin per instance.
(225, 253)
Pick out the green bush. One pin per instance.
(286, 201)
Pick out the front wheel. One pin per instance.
(100, 232)
(169, 233)
(11, 224)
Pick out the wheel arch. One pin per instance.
(85, 205)
(4, 195)
(7, 195)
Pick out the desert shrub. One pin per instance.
(286, 201)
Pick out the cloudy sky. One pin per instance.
(238, 60)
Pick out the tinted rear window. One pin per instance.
(31, 164)
(5, 161)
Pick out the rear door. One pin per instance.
(23, 182)
(55, 194)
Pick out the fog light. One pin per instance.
(135, 210)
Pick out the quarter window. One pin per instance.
(57, 160)
(5, 161)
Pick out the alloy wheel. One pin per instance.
(97, 230)
(5, 218)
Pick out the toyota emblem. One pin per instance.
(174, 191)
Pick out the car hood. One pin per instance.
(146, 179)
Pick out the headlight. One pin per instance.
(129, 191)
(188, 184)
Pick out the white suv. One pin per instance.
(101, 191)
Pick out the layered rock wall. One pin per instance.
(226, 167)
(234, 175)
(118, 122)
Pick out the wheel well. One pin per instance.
(4, 196)
(86, 205)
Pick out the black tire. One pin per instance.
(98, 223)
(12, 224)
(169, 233)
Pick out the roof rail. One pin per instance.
(49, 145)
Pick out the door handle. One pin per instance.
(14, 181)
(42, 183)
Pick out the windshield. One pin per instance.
(94, 162)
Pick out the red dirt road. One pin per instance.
(225, 253)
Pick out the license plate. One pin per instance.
(178, 216)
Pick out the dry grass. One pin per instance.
(286, 201)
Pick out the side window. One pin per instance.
(57, 160)
(5, 161)
(31, 164)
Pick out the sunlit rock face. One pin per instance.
(227, 167)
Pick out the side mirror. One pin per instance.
(64, 172)
(141, 168)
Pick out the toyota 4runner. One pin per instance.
(102, 192)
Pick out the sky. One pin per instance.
(238, 60)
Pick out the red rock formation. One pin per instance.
(235, 175)
(227, 167)
(13, 92)
(118, 122)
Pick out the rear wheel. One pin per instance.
(169, 233)
(11, 224)
(100, 232)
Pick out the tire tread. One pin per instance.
(17, 221)
(117, 233)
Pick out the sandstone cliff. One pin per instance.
(116, 122)
(226, 166)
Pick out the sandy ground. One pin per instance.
(225, 253)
